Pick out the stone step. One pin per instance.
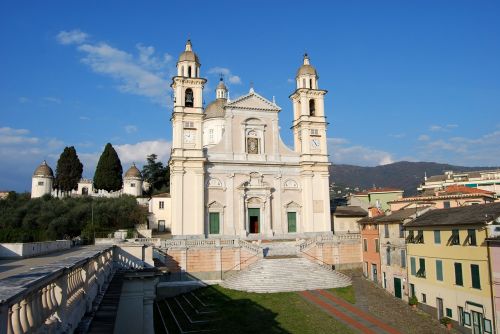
(285, 273)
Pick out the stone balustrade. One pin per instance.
(53, 298)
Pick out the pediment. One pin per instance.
(253, 101)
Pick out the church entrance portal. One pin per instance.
(254, 220)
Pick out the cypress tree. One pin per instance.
(68, 171)
(108, 173)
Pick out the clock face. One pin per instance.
(315, 143)
(189, 136)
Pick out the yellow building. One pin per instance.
(448, 268)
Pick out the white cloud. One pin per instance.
(446, 127)
(23, 99)
(342, 153)
(435, 128)
(138, 152)
(290, 80)
(71, 37)
(52, 99)
(142, 74)
(84, 118)
(10, 136)
(231, 78)
(424, 138)
(130, 128)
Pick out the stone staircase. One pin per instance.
(281, 270)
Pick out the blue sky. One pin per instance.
(415, 81)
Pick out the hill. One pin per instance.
(403, 175)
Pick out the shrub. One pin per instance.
(413, 301)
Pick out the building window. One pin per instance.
(461, 315)
(419, 239)
(189, 125)
(252, 145)
(214, 223)
(413, 266)
(132, 185)
(449, 313)
(189, 98)
(437, 237)
(365, 245)
(424, 298)
(40, 183)
(476, 281)
(211, 135)
(412, 290)
(312, 108)
(401, 231)
(403, 258)
(471, 237)
(377, 246)
(455, 237)
(446, 204)
(161, 205)
(388, 256)
(314, 132)
(421, 269)
(385, 280)
(459, 280)
(386, 231)
(411, 237)
(439, 270)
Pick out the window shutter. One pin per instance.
(476, 282)
(458, 274)
(439, 270)
(413, 266)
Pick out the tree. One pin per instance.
(108, 173)
(68, 171)
(157, 175)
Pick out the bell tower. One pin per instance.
(309, 131)
(187, 158)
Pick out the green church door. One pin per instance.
(213, 223)
(292, 222)
(254, 220)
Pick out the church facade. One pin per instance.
(231, 174)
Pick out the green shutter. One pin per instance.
(476, 282)
(413, 266)
(458, 274)
(437, 237)
(421, 270)
(439, 270)
(214, 223)
(292, 222)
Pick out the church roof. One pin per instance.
(133, 172)
(43, 170)
(252, 100)
(306, 68)
(188, 54)
(215, 109)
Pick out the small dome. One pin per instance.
(215, 109)
(133, 172)
(188, 54)
(43, 170)
(221, 85)
(306, 68)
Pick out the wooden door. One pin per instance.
(292, 222)
(397, 287)
(214, 223)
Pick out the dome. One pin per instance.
(133, 172)
(43, 170)
(306, 68)
(215, 109)
(188, 54)
(221, 85)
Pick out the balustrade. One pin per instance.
(53, 298)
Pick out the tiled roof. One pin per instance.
(162, 195)
(465, 215)
(350, 211)
(378, 190)
(466, 190)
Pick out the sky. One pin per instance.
(406, 80)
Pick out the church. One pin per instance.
(232, 175)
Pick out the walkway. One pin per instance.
(392, 315)
(13, 267)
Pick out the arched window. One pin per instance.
(311, 83)
(312, 108)
(182, 70)
(189, 71)
(189, 98)
(303, 83)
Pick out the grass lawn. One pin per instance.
(346, 293)
(243, 312)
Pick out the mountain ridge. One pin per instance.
(404, 175)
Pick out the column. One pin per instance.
(229, 223)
